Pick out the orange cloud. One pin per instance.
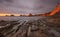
(57, 9)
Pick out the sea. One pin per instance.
(20, 18)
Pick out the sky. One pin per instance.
(27, 6)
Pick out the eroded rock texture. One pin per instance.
(44, 27)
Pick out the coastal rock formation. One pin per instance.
(33, 28)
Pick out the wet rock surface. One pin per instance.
(32, 28)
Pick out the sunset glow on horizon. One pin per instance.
(2, 14)
(5, 14)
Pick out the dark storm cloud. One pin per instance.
(27, 6)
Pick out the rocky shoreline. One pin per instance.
(32, 28)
